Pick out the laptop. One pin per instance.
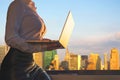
(65, 34)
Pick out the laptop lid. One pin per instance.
(67, 30)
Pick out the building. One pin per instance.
(48, 56)
(43, 59)
(6, 48)
(94, 62)
(114, 59)
(55, 62)
(2, 53)
(75, 62)
(67, 55)
(105, 62)
(84, 62)
(38, 58)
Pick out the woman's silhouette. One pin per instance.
(23, 23)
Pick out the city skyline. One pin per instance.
(96, 23)
(92, 61)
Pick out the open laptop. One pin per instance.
(65, 34)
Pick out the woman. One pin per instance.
(23, 23)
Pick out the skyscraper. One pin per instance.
(105, 62)
(55, 62)
(48, 56)
(6, 48)
(84, 62)
(38, 58)
(2, 53)
(114, 59)
(67, 55)
(94, 62)
(43, 59)
(75, 62)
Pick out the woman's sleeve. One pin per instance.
(12, 36)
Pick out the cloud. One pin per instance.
(96, 44)
(117, 36)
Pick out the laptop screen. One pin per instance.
(67, 30)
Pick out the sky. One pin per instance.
(97, 23)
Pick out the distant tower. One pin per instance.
(105, 62)
(2, 53)
(114, 59)
(6, 48)
(38, 58)
(94, 62)
(102, 66)
(75, 62)
(84, 62)
(55, 62)
(67, 55)
(48, 56)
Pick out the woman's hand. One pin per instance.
(46, 39)
(46, 46)
(54, 45)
